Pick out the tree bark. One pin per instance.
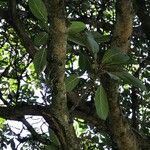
(123, 135)
(120, 128)
(56, 61)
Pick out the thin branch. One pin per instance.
(35, 135)
(21, 109)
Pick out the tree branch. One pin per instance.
(123, 26)
(18, 111)
(120, 128)
(57, 58)
(35, 135)
(13, 20)
(81, 111)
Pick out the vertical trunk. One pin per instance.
(123, 134)
(56, 62)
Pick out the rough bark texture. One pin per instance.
(56, 59)
(58, 116)
(123, 134)
(123, 27)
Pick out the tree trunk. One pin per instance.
(123, 135)
(56, 56)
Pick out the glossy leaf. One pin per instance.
(115, 56)
(71, 82)
(38, 9)
(40, 61)
(41, 38)
(76, 27)
(85, 39)
(99, 38)
(91, 43)
(77, 38)
(101, 103)
(113, 76)
(130, 79)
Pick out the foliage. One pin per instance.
(101, 103)
(24, 80)
(38, 9)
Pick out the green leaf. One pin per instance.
(38, 9)
(85, 39)
(115, 56)
(91, 43)
(101, 103)
(43, 25)
(130, 79)
(77, 38)
(41, 38)
(71, 82)
(99, 38)
(114, 77)
(2, 123)
(40, 61)
(76, 27)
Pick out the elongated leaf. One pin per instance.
(115, 56)
(40, 61)
(71, 82)
(41, 38)
(130, 79)
(43, 25)
(91, 43)
(76, 27)
(85, 39)
(99, 38)
(38, 9)
(77, 38)
(101, 103)
(113, 76)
